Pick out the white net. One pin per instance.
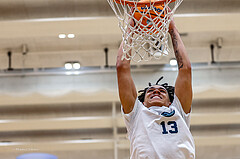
(147, 38)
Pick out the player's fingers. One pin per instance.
(131, 22)
(168, 9)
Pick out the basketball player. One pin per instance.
(158, 120)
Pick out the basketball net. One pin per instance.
(148, 37)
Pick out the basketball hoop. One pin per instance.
(148, 37)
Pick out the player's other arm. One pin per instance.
(183, 85)
(126, 86)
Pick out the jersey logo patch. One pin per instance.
(167, 114)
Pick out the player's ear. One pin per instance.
(169, 103)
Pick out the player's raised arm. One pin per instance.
(126, 86)
(183, 85)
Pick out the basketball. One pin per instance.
(145, 16)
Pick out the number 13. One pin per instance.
(173, 130)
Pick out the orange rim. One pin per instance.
(140, 4)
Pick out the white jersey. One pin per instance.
(159, 132)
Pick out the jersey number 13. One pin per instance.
(171, 125)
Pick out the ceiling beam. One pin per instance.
(106, 122)
(33, 99)
(109, 25)
(56, 124)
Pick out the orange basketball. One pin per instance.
(149, 16)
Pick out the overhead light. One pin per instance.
(72, 65)
(68, 66)
(76, 65)
(62, 36)
(173, 62)
(71, 36)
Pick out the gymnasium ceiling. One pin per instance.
(37, 24)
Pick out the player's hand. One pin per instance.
(130, 19)
(131, 24)
(172, 24)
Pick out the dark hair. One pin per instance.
(170, 90)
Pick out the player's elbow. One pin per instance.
(186, 68)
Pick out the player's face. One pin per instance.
(156, 96)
